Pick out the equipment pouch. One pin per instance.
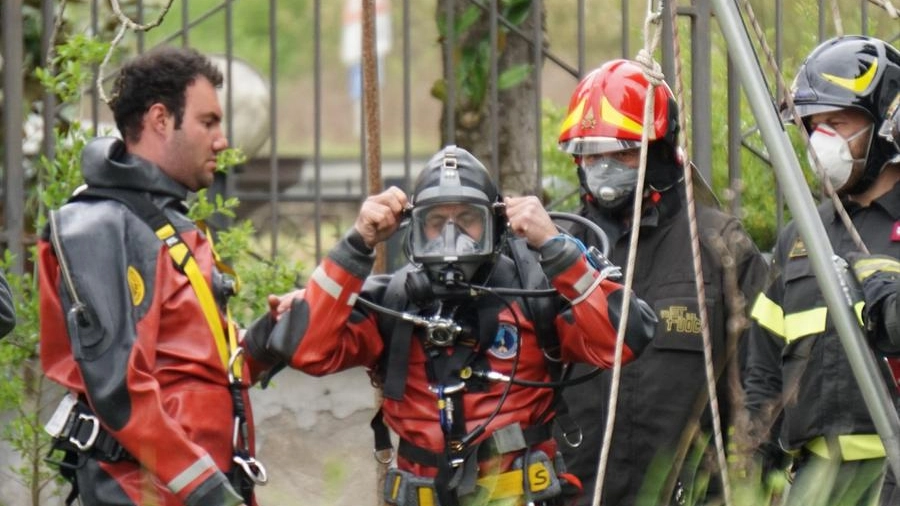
(402, 488)
(542, 480)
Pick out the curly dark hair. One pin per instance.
(158, 76)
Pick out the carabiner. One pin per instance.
(252, 468)
(235, 354)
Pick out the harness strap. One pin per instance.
(184, 260)
(396, 368)
(412, 452)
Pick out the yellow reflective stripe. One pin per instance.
(426, 496)
(509, 484)
(805, 323)
(613, 116)
(795, 325)
(867, 266)
(856, 85)
(574, 117)
(851, 446)
(181, 255)
(238, 365)
(395, 488)
(769, 315)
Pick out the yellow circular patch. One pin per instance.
(136, 285)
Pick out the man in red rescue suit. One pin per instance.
(662, 412)
(451, 338)
(133, 318)
(800, 387)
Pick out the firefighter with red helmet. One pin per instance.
(662, 395)
(452, 337)
(846, 94)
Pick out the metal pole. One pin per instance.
(787, 168)
(13, 84)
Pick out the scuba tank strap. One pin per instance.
(542, 312)
(398, 333)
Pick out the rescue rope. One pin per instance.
(789, 101)
(654, 78)
(709, 365)
(125, 24)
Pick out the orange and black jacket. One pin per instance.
(145, 361)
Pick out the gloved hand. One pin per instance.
(877, 276)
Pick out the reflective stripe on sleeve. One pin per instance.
(794, 326)
(330, 286)
(584, 282)
(851, 446)
(769, 315)
(190, 474)
(805, 323)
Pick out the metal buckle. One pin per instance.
(577, 441)
(95, 431)
(252, 468)
(380, 455)
(231, 360)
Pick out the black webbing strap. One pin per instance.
(396, 367)
(414, 453)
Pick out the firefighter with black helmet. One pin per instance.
(846, 94)
(662, 395)
(450, 336)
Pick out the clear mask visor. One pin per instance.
(446, 232)
(582, 146)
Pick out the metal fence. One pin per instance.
(311, 163)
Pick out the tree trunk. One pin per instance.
(517, 120)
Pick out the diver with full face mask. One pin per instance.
(450, 337)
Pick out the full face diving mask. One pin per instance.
(451, 240)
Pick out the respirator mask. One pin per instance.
(611, 182)
(833, 153)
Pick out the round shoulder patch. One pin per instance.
(506, 342)
(135, 285)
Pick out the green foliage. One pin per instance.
(473, 52)
(70, 67)
(560, 175)
(258, 277)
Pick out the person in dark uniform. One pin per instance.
(662, 414)
(800, 388)
(461, 366)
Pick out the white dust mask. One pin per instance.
(833, 152)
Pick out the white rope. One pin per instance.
(709, 365)
(654, 78)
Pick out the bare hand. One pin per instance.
(527, 218)
(380, 215)
(280, 304)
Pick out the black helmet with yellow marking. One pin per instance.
(857, 72)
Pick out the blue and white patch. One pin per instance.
(506, 342)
